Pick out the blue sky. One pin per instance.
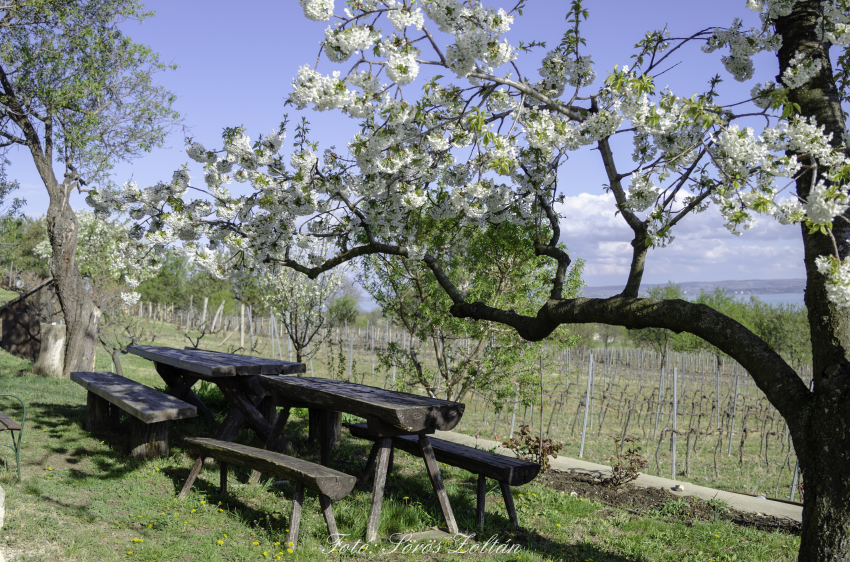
(236, 61)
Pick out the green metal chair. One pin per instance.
(6, 423)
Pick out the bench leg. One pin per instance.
(222, 480)
(295, 518)
(383, 458)
(101, 416)
(482, 493)
(328, 513)
(509, 503)
(227, 431)
(437, 482)
(148, 440)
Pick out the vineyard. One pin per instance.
(700, 419)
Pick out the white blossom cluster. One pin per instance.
(800, 70)
(452, 156)
(642, 193)
(341, 43)
(837, 275)
(318, 10)
(743, 45)
(557, 70)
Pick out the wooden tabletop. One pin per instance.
(408, 412)
(215, 363)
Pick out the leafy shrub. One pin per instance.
(528, 448)
(626, 465)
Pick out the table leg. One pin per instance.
(180, 386)
(370, 462)
(437, 482)
(384, 446)
(222, 481)
(253, 417)
(276, 431)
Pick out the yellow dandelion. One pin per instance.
(220, 542)
(256, 543)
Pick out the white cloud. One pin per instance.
(702, 250)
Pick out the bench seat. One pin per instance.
(151, 410)
(329, 483)
(507, 471)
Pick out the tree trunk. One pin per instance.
(81, 315)
(52, 351)
(821, 430)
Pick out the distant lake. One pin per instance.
(774, 298)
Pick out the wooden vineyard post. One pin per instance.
(586, 404)
(658, 408)
(675, 408)
(734, 411)
(717, 375)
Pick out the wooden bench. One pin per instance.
(329, 483)
(151, 410)
(10, 425)
(507, 471)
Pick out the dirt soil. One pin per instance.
(641, 500)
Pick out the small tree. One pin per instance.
(75, 91)
(301, 304)
(480, 355)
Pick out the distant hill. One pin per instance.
(746, 287)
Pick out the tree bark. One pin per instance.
(822, 439)
(81, 315)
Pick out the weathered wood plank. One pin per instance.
(408, 412)
(9, 422)
(437, 482)
(332, 483)
(384, 445)
(515, 472)
(216, 364)
(138, 400)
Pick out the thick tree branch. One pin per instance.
(779, 382)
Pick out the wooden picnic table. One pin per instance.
(236, 376)
(388, 414)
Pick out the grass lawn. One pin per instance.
(6, 295)
(82, 499)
